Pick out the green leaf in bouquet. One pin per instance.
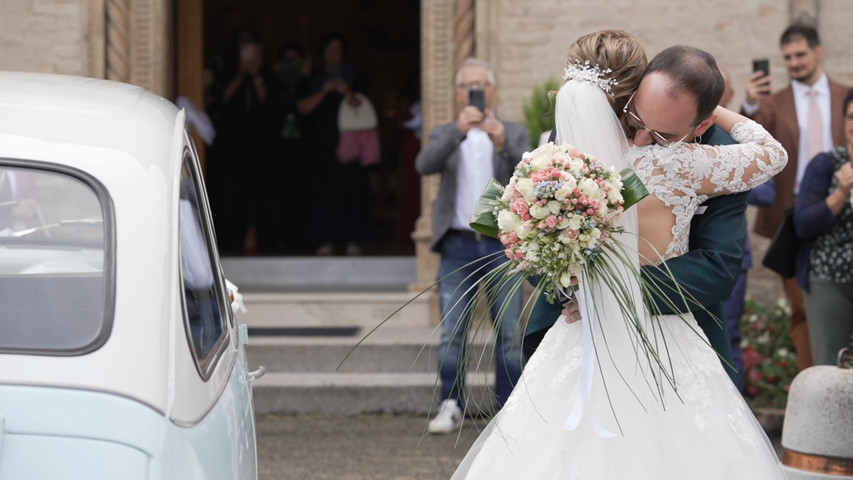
(484, 220)
(633, 189)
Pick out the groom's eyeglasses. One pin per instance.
(636, 123)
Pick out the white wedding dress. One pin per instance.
(628, 420)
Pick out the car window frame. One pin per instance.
(207, 365)
(109, 272)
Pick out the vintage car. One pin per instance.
(120, 357)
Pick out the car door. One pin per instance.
(210, 323)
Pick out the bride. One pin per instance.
(592, 403)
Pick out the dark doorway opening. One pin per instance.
(268, 192)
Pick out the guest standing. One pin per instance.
(806, 119)
(824, 218)
(339, 194)
(469, 152)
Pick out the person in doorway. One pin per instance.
(242, 154)
(345, 188)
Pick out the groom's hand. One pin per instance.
(571, 311)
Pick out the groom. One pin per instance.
(675, 100)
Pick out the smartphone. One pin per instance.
(477, 98)
(761, 64)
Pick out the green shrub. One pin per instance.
(539, 110)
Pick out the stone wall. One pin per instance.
(54, 36)
(126, 40)
(526, 40)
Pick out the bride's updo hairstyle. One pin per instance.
(618, 51)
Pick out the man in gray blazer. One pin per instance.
(468, 153)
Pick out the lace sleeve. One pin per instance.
(716, 170)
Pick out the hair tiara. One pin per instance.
(584, 72)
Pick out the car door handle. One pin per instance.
(260, 372)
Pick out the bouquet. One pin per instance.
(557, 214)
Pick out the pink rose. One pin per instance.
(551, 221)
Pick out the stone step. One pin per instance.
(331, 309)
(321, 274)
(358, 393)
(387, 350)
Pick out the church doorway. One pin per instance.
(272, 192)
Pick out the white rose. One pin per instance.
(539, 212)
(614, 196)
(575, 222)
(576, 164)
(566, 279)
(508, 221)
(589, 188)
(568, 180)
(541, 160)
(595, 233)
(553, 206)
(509, 191)
(563, 192)
(525, 187)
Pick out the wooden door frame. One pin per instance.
(189, 59)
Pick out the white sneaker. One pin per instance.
(448, 419)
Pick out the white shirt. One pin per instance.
(802, 101)
(474, 173)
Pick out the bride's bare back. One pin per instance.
(682, 176)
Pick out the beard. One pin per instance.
(804, 74)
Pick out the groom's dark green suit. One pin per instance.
(708, 271)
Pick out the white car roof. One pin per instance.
(128, 139)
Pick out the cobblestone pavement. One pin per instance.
(365, 447)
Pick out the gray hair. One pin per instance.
(476, 62)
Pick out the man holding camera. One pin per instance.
(468, 153)
(806, 118)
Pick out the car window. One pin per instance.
(204, 307)
(55, 241)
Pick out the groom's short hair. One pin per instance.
(693, 71)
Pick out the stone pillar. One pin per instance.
(464, 44)
(447, 38)
(138, 43)
(437, 102)
(118, 40)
